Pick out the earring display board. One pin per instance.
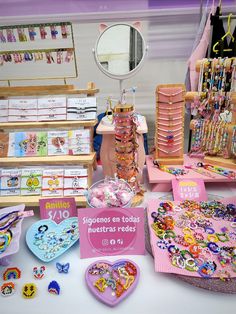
(68, 162)
(169, 135)
(214, 107)
(27, 50)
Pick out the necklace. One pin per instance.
(170, 151)
(233, 145)
(171, 170)
(169, 131)
(170, 118)
(170, 108)
(170, 95)
(169, 144)
(170, 136)
(170, 124)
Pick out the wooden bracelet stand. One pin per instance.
(214, 160)
(169, 124)
(88, 161)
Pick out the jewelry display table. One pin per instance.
(107, 153)
(160, 181)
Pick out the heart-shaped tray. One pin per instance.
(48, 240)
(111, 282)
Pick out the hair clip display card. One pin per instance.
(4, 139)
(42, 144)
(82, 108)
(31, 144)
(79, 142)
(52, 109)
(52, 184)
(21, 144)
(57, 143)
(22, 110)
(75, 181)
(11, 145)
(48, 240)
(31, 181)
(10, 182)
(3, 110)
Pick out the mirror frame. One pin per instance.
(120, 76)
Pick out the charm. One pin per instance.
(7, 289)
(11, 273)
(54, 287)
(29, 290)
(63, 268)
(39, 272)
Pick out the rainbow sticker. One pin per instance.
(11, 273)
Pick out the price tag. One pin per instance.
(57, 209)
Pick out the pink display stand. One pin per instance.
(107, 153)
(161, 181)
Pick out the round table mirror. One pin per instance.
(120, 50)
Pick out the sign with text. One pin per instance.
(111, 231)
(57, 209)
(191, 189)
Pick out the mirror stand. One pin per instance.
(119, 52)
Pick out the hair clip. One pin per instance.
(43, 33)
(54, 287)
(54, 32)
(32, 33)
(10, 35)
(21, 34)
(63, 268)
(64, 31)
(29, 290)
(2, 37)
(7, 289)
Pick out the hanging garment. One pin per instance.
(218, 32)
(198, 54)
(196, 42)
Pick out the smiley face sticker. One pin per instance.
(29, 290)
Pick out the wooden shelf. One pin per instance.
(49, 160)
(46, 90)
(33, 200)
(221, 162)
(47, 124)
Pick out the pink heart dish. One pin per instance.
(112, 282)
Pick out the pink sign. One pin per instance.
(111, 231)
(191, 189)
(57, 209)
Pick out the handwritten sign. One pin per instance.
(111, 231)
(57, 209)
(191, 189)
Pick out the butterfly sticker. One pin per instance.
(63, 268)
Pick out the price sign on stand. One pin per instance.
(191, 189)
(57, 209)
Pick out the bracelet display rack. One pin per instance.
(216, 160)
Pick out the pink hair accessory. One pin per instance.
(110, 193)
